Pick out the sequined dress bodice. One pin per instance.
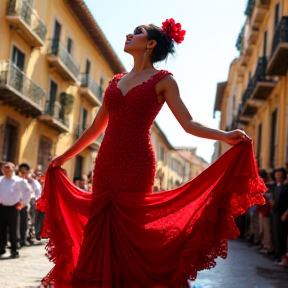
(126, 160)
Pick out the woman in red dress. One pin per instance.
(121, 235)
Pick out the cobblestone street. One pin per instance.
(243, 268)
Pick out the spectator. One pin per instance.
(14, 195)
(83, 183)
(279, 203)
(76, 181)
(39, 215)
(264, 216)
(89, 187)
(36, 188)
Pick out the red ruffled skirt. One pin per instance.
(147, 240)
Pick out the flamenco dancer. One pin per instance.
(121, 235)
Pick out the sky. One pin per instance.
(201, 61)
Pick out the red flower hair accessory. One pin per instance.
(173, 30)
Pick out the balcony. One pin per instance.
(95, 145)
(256, 12)
(57, 113)
(22, 17)
(19, 91)
(249, 106)
(278, 62)
(62, 61)
(90, 90)
(262, 84)
(258, 90)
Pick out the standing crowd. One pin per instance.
(268, 223)
(20, 221)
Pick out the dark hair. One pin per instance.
(164, 46)
(283, 170)
(263, 174)
(25, 165)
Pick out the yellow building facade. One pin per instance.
(255, 95)
(55, 63)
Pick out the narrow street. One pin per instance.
(244, 268)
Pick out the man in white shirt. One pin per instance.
(36, 190)
(14, 194)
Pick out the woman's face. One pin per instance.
(137, 41)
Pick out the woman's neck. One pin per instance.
(142, 63)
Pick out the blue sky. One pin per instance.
(202, 59)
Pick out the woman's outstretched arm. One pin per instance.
(169, 88)
(91, 134)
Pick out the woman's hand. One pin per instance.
(58, 161)
(236, 136)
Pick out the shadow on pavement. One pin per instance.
(280, 275)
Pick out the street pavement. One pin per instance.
(244, 268)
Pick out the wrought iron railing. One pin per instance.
(90, 83)
(281, 34)
(58, 50)
(54, 109)
(249, 7)
(260, 72)
(260, 75)
(247, 93)
(11, 75)
(24, 10)
(240, 39)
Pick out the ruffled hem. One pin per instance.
(212, 235)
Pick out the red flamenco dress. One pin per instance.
(123, 236)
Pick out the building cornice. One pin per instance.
(80, 9)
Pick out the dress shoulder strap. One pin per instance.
(161, 75)
(117, 77)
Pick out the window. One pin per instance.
(161, 154)
(52, 98)
(265, 43)
(88, 65)
(259, 139)
(276, 16)
(83, 120)
(234, 102)
(101, 88)
(10, 141)
(57, 31)
(69, 45)
(44, 154)
(18, 58)
(56, 38)
(273, 139)
(78, 166)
